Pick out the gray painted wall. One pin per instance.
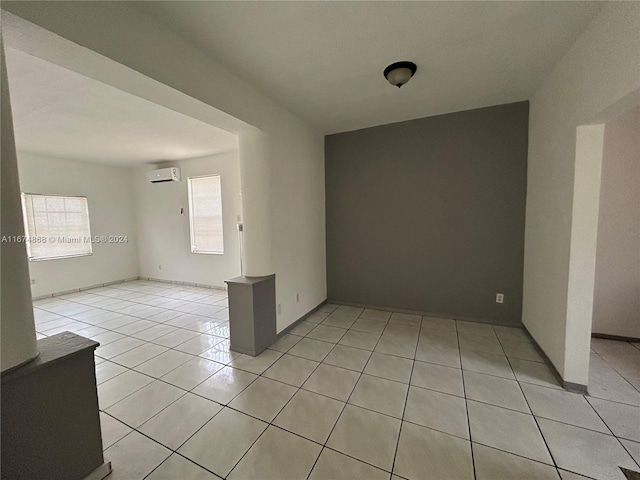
(428, 214)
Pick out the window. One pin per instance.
(56, 226)
(205, 214)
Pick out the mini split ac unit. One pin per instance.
(164, 175)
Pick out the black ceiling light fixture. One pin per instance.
(399, 73)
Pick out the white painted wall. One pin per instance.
(18, 342)
(163, 234)
(600, 69)
(616, 299)
(291, 152)
(109, 196)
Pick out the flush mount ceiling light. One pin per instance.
(400, 73)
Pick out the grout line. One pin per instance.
(612, 433)
(228, 364)
(535, 420)
(466, 402)
(615, 370)
(346, 402)
(406, 398)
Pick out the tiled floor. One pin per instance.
(347, 394)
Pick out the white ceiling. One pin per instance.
(60, 113)
(324, 60)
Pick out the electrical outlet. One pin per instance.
(499, 297)
(33, 280)
(279, 308)
(297, 297)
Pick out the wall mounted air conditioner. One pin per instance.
(164, 175)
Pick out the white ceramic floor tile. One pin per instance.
(291, 370)
(118, 347)
(119, 387)
(108, 370)
(562, 406)
(513, 432)
(134, 457)
(492, 464)
(112, 430)
(176, 423)
(633, 448)
(438, 377)
(436, 410)
(220, 453)
(522, 350)
(497, 391)
(366, 325)
(340, 321)
(438, 323)
(138, 355)
(310, 415)
(335, 466)
(263, 399)
(257, 364)
(277, 455)
(198, 325)
(380, 315)
(366, 435)
(177, 467)
(565, 475)
(327, 307)
(199, 344)
(533, 372)
(175, 338)
(441, 354)
(405, 319)
(154, 332)
(389, 367)
(606, 383)
(585, 452)
(400, 347)
(332, 381)
(311, 349)
(479, 343)
(118, 322)
(424, 453)
(135, 327)
(190, 374)
(302, 329)
(284, 343)
(317, 317)
(140, 406)
(380, 395)
(326, 333)
(486, 363)
(163, 363)
(106, 338)
(221, 353)
(348, 357)
(349, 311)
(353, 338)
(224, 385)
(623, 420)
(439, 336)
(510, 334)
(475, 328)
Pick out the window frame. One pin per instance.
(29, 235)
(193, 247)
